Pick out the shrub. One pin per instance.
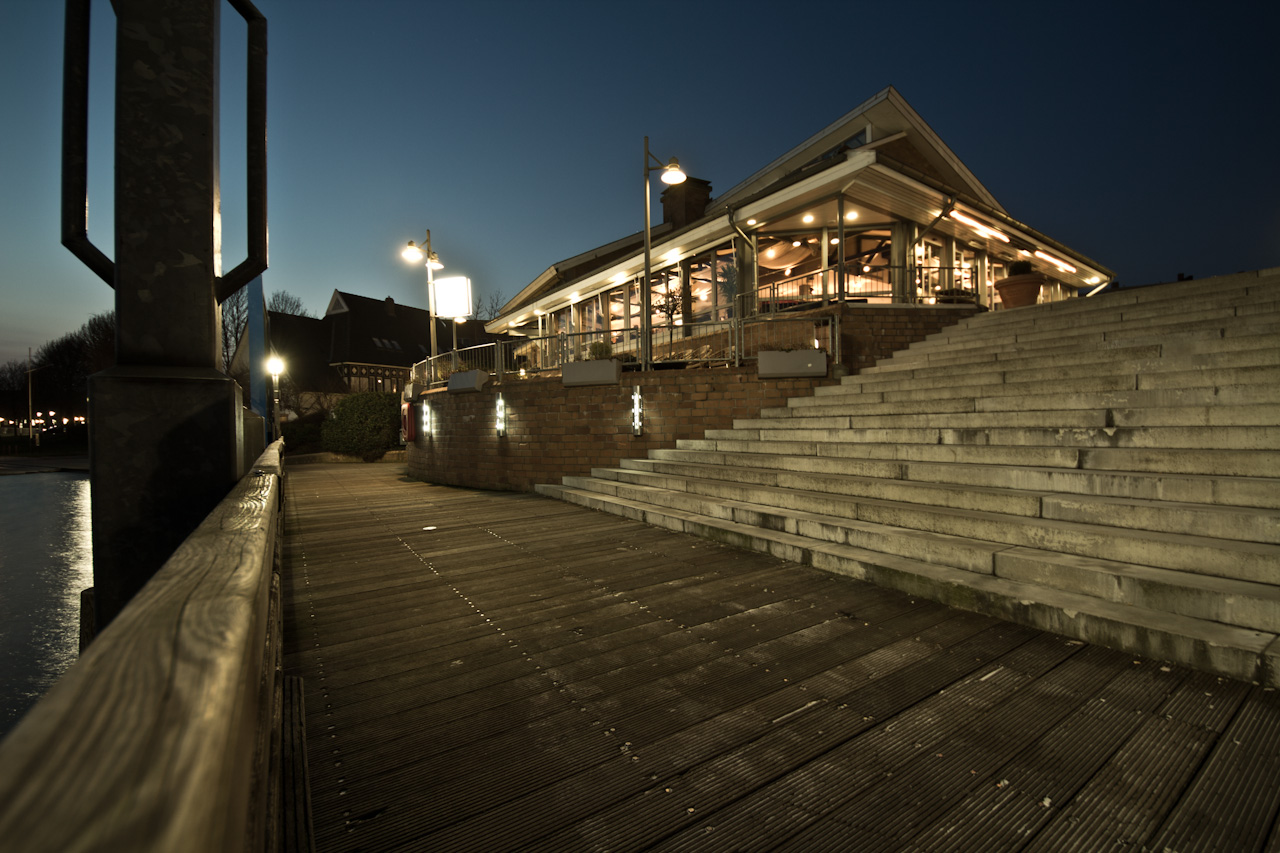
(364, 425)
(303, 435)
(600, 350)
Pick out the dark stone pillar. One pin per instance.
(165, 423)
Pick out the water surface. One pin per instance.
(46, 559)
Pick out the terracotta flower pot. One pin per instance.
(1018, 291)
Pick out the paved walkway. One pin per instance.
(491, 671)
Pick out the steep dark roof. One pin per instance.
(379, 331)
(303, 343)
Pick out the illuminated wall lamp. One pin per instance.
(637, 412)
(426, 420)
(502, 416)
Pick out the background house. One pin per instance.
(360, 344)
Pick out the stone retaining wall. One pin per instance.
(553, 431)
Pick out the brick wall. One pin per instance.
(553, 431)
(871, 333)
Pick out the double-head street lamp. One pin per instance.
(415, 254)
(671, 174)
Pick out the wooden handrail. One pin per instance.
(152, 740)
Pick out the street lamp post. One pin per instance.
(671, 174)
(414, 254)
(275, 366)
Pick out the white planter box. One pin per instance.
(468, 380)
(599, 372)
(774, 364)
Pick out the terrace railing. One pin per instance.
(717, 343)
(863, 283)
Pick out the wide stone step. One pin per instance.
(723, 483)
(844, 394)
(1076, 313)
(1137, 319)
(800, 419)
(1244, 524)
(1095, 416)
(1189, 437)
(1228, 650)
(1214, 462)
(1200, 342)
(1225, 600)
(1170, 296)
(1220, 396)
(1258, 492)
(776, 509)
(1251, 367)
(1259, 353)
(1093, 334)
(1249, 524)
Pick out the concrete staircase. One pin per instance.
(1106, 468)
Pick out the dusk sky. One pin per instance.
(1143, 135)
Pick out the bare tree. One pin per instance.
(284, 302)
(489, 306)
(235, 316)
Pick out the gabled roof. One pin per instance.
(885, 122)
(378, 331)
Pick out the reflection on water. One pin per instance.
(46, 559)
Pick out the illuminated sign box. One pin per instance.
(453, 297)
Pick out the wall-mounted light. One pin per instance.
(502, 416)
(426, 420)
(637, 412)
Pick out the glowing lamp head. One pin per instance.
(275, 366)
(671, 173)
(412, 253)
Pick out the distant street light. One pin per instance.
(671, 174)
(275, 366)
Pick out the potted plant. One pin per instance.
(787, 363)
(600, 368)
(1021, 287)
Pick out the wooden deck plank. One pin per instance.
(535, 676)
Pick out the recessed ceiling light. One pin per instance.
(795, 244)
(751, 222)
(851, 215)
(808, 217)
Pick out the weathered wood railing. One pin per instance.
(166, 734)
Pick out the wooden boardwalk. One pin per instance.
(495, 671)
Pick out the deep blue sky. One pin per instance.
(1141, 134)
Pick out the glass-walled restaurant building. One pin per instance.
(874, 209)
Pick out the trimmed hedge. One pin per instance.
(365, 425)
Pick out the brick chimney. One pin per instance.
(685, 202)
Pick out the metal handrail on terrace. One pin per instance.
(715, 343)
(863, 283)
